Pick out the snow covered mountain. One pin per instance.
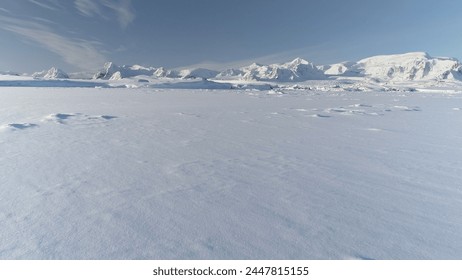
(112, 71)
(342, 68)
(108, 70)
(165, 73)
(52, 73)
(198, 73)
(410, 66)
(296, 70)
(413, 66)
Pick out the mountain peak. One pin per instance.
(56, 73)
(295, 70)
(299, 60)
(408, 67)
(52, 73)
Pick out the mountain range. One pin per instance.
(415, 66)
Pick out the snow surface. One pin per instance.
(316, 172)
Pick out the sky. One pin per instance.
(81, 35)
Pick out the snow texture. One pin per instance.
(302, 173)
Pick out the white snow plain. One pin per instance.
(146, 173)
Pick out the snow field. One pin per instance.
(229, 174)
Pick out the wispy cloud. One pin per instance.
(5, 10)
(122, 9)
(88, 8)
(47, 4)
(81, 53)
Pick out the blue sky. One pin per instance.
(82, 34)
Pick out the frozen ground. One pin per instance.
(99, 173)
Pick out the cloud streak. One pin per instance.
(88, 8)
(81, 53)
(106, 9)
(5, 10)
(47, 4)
(124, 11)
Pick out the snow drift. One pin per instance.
(194, 174)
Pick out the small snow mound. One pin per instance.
(319, 116)
(77, 118)
(407, 108)
(17, 126)
(58, 117)
(360, 105)
(374, 129)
